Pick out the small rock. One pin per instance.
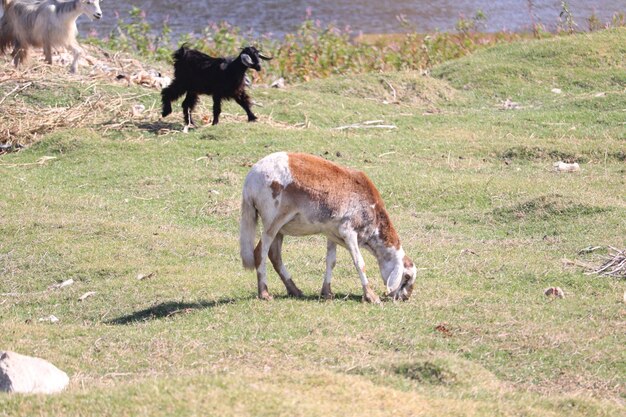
(556, 90)
(86, 295)
(63, 284)
(51, 318)
(556, 292)
(29, 375)
(565, 167)
(141, 277)
(510, 105)
(138, 109)
(279, 83)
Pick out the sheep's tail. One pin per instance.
(247, 231)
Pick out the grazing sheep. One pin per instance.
(48, 24)
(299, 194)
(197, 73)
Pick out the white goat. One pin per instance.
(48, 24)
(300, 194)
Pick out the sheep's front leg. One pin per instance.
(277, 262)
(244, 101)
(352, 244)
(331, 261)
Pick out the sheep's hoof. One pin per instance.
(326, 293)
(292, 290)
(252, 119)
(370, 296)
(264, 295)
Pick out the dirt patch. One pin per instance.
(535, 153)
(546, 207)
(426, 372)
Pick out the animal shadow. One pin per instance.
(168, 309)
(316, 297)
(158, 127)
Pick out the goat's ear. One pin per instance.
(247, 61)
(267, 58)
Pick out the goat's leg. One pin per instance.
(352, 244)
(77, 51)
(20, 54)
(244, 101)
(331, 261)
(189, 103)
(277, 262)
(171, 93)
(47, 51)
(217, 109)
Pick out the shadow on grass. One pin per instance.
(317, 297)
(172, 308)
(159, 127)
(168, 309)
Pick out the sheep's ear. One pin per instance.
(247, 61)
(395, 278)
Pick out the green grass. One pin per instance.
(470, 188)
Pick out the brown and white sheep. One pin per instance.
(299, 194)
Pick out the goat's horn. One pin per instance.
(267, 58)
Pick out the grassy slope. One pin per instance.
(470, 189)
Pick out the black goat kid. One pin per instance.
(197, 73)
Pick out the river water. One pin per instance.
(277, 17)
(368, 16)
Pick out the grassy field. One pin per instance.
(468, 183)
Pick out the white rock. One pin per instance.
(556, 90)
(86, 295)
(279, 83)
(29, 375)
(63, 284)
(565, 167)
(51, 318)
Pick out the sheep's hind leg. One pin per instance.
(271, 228)
(188, 105)
(331, 260)
(277, 262)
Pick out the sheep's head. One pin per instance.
(91, 8)
(407, 281)
(251, 57)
